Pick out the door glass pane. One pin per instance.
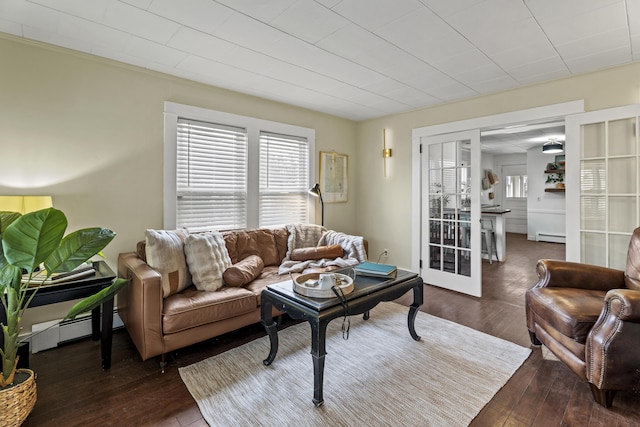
(593, 211)
(449, 180)
(449, 233)
(434, 257)
(435, 156)
(464, 235)
(622, 140)
(622, 214)
(448, 260)
(592, 177)
(464, 262)
(435, 232)
(593, 139)
(622, 175)
(449, 154)
(618, 246)
(593, 249)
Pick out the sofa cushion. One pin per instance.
(207, 258)
(164, 250)
(259, 242)
(281, 235)
(570, 311)
(243, 272)
(191, 308)
(316, 252)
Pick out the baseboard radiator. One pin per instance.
(550, 237)
(48, 335)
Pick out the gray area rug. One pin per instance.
(380, 376)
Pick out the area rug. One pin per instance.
(379, 376)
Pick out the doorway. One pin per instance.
(534, 115)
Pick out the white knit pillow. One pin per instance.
(165, 254)
(207, 258)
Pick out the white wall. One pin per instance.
(546, 211)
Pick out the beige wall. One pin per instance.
(384, 205)
(89, 132)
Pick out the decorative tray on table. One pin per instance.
(309, 285)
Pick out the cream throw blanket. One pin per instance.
(353, 247)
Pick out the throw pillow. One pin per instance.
(207, 258)
(316, 252)
(244, 271)
(164, 250)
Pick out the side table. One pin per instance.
(101, 325)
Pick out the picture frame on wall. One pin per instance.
(559, 158)
(334, 178)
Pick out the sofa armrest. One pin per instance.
(564, 274)
(612, 350)
(140, 304)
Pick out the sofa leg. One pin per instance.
(534, 339)
(163, 362)
(602, 397)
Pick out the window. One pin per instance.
(226, 171)
(211, 175)
(516, 186)
(284, 165)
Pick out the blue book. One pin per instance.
(374, 269)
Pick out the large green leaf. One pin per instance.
(30, 239)
(77, 247)
(6, 218)
(95, 300)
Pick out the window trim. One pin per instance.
(172, 111)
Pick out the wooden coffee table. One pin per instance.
(367, 293)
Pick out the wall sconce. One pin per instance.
(315, 191)
(24, 204)
(386, 153)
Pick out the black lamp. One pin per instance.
(315, 191)
(553, 146)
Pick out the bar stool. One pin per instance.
(489, 237)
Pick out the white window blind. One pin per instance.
(284, 179)
(211, 175)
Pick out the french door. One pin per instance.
(450, 211)
(602, 183)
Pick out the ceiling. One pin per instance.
(520, 138)
(357, 59)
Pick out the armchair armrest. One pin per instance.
(140, 304)
(612, 347)
(564, 274)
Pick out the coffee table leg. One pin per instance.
(318, 352)
(413, 310)
(266, 317)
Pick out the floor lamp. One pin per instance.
(315, 191)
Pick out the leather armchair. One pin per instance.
(589, 317)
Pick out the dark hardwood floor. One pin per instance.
(73, 391)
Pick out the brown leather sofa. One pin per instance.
(159, 325)
(589, 317)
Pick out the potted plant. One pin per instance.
(27, 242)
(556, 178)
